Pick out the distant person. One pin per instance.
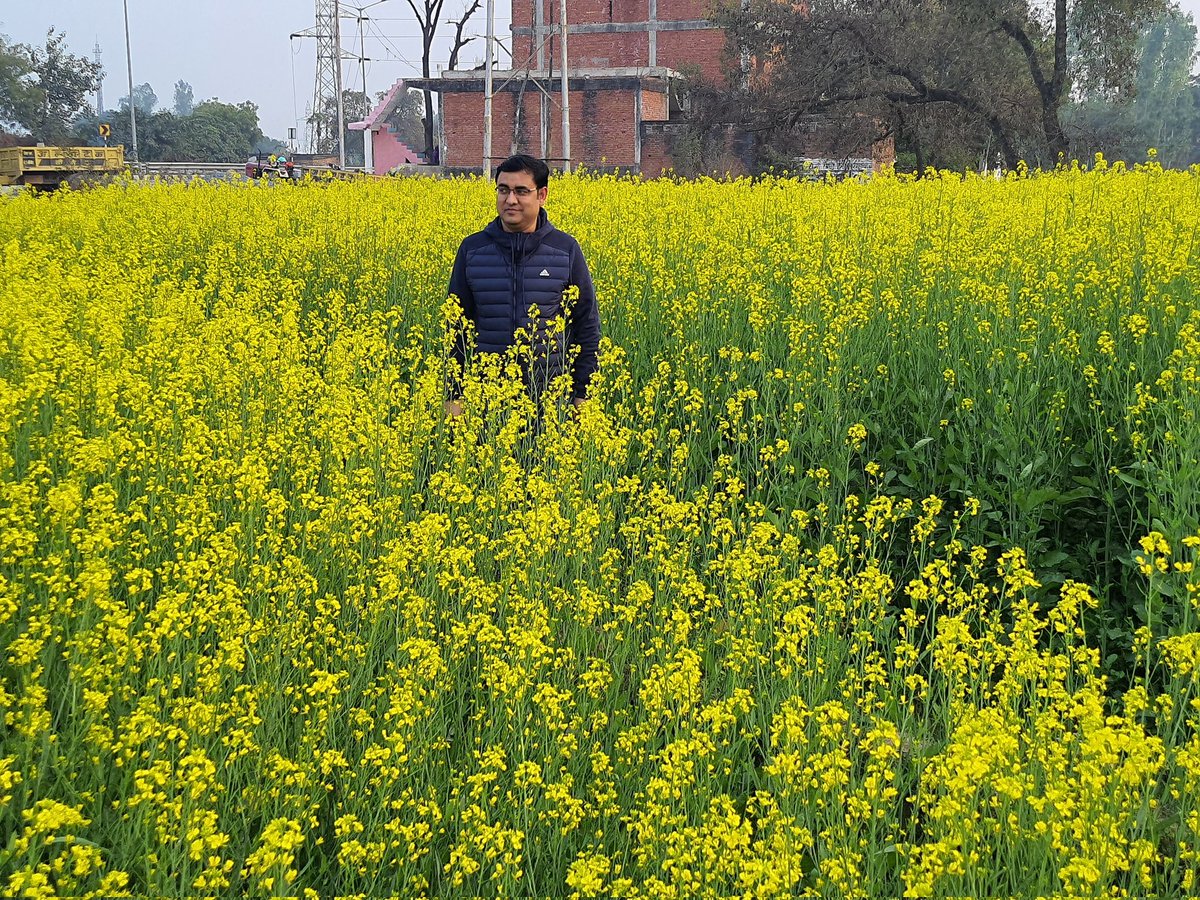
(521, 260)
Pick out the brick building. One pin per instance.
(672, 34)
(624, 59)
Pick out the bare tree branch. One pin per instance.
(1022, 39)
(429, 17)
(459, 40)
(990, 73)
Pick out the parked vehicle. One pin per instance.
(48, 167)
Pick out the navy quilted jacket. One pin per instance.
(498, 276)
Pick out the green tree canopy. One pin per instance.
(144, 99)
(16, 87)
(407, 119)
(214, 132)
(44, 89)
(185, 101)
(219, 132)
(1158, 109)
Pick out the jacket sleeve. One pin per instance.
(460, 288)
(585, 326)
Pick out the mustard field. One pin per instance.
(866, 572)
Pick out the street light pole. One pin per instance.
(368, 148)
(129, 68)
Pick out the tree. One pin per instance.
(219, 132)
(1158, 110)
(429, 17)
(43, 89)
(144, 99)
(406, 120)
(214, 132)
(1164, 110)
(1104, 32)
(991, 66)
(893, 64)
(461, 41)
(16, 89)
(184, 100)
(355, 107)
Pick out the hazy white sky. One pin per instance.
(241, 50)
(237, 51)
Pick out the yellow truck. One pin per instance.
(48, 167)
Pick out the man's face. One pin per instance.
(518, 201)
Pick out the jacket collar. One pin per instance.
(519, 245)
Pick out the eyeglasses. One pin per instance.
(503, 190)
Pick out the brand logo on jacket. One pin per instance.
(545, 273)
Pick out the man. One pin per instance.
(520, 261)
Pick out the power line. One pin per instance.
(327, 85)
(400, 19)
(388, 43)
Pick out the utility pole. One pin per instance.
(487, 88)
(368, 149)
(566, 95)
(539, 21)
(129, 66)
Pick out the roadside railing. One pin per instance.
(213, 171)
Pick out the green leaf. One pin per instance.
(1079, 493)
(1053, 558)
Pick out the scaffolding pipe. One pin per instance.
(539, 22)
(487, 88)
(566, 95)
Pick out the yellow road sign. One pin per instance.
(105, 130)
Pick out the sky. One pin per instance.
(237, 51)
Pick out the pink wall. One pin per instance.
(390, 152)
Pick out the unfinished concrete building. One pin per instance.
(622, 55)
(625, 61)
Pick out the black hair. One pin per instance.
(524, 163)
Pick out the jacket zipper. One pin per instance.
(513, 292)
